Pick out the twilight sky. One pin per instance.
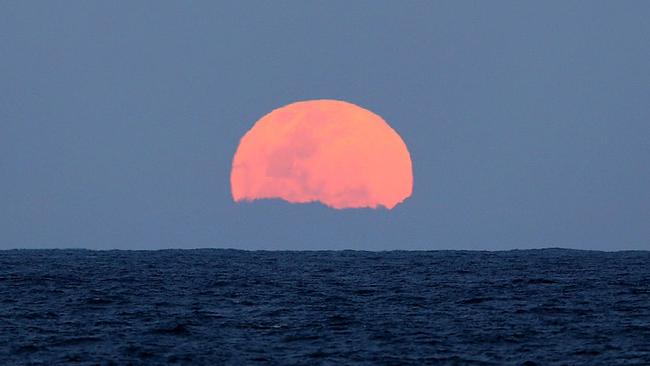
(528, 122)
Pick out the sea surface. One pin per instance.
(228, 307)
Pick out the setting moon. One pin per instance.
(327, 151)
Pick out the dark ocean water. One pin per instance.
(393, 308)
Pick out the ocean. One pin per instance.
(230, 307)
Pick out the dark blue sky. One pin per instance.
(528, 122)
